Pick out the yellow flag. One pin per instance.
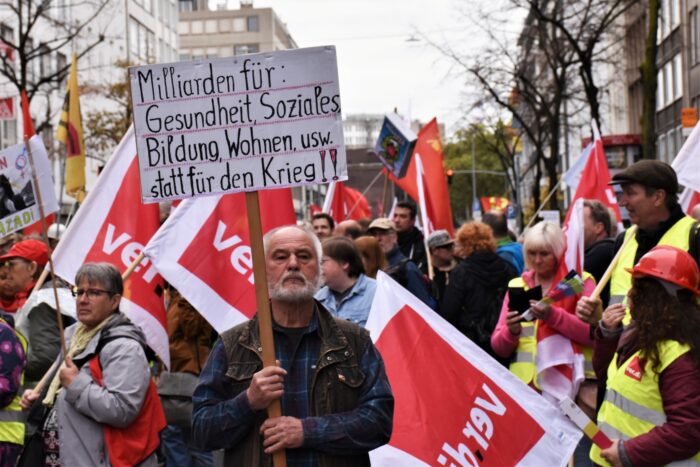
(70, 133)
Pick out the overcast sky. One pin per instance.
(379, 67)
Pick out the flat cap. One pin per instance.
(650, 173)
(439, 238)
(382, 223)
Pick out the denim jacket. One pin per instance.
(354, 306)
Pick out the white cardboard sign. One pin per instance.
(243, 123)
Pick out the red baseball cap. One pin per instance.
(31, 250)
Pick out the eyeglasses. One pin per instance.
(11, 263)
(91, 293)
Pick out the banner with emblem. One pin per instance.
(204, 251)
(454, 404)
(113, 225)
(19, 205)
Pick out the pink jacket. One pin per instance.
(564, 321)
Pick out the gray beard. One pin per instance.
(281, 293)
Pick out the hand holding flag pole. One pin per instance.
(608, 273)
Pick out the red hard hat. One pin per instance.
(670, 264)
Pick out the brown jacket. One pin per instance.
(341, 347)
(189, 335)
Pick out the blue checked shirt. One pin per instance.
(226, 418)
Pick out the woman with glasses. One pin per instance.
(103, 408)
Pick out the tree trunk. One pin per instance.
(649, 84)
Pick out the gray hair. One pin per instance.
(104, 274)
(309, 233)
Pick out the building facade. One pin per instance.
(208, 33)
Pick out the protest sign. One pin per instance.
(454, 404)
(18, 195)
(247, 123)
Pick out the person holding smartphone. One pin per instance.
(555, 326)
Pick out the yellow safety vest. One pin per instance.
(621, 280)
(11, 417)
(523, 364)
(633, 404)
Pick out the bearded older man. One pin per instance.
(335, 396)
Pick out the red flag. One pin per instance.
(439, 424)
(29, 131)
(595, 179)
(113, 225)
(26, 117)
(688, 199)
(429, 147)
(203, 250)
(346, 203)
(314, 209)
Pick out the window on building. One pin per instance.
(187, 5)
(693, 36)
(9, 133)
(668, 80)
(185, 57)
(660, 86)
(675, 13)
(133, 37)
(183, 27)
(245, 49)
(210, 26)
(239, 25)
(142, 42)
(6, 32)
(196, 27)
(61, 62)
(677, 77)
(253, 25)
(661, 147)
(225, 25)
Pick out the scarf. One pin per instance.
(78, 342)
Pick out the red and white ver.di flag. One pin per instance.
(203, 250)
(113, 225)
(454, 404)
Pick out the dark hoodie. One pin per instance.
(474, 296)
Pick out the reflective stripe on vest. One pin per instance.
(621, 280)
(11, 417)
(523, 364)
(633, 404)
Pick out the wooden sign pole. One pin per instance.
(263, 303)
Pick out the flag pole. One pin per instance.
(263, 303)
(424, 213)
(364, 193)
(534, 216)
(133, 265)
(608, 273)
(44, 232)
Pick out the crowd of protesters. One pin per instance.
(110, 401)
